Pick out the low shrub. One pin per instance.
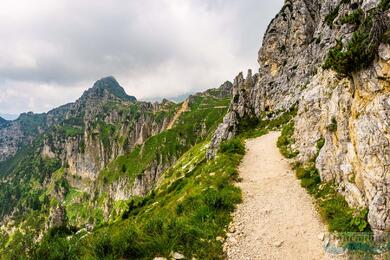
(332, 206)
(384, 5)
(362, 49)
(386, 37)
(320, 143)
(271, 121)
(247, 123)
(310, 178)
(333, 125)
(355, 17)
(233, 146)
(331, 16)
(225, 199)
(286, 140)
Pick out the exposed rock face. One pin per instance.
(20, 132)
(78, 147)
(107, 89)
(10, 137)
(15, 134)
(240, 107)
(357, 153)
(57, 217)
(225, 90)
(76, 132)
(124, 189)
(87, 154)
(352, 113)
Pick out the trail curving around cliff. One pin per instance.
(184, 107)
(277, 219)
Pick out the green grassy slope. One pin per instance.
(42, 183)
(192, 126)
(187, 213)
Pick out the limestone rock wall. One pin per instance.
(356, 153)
(351, 113)
(10, 138)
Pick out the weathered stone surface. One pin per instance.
(369, 4)
(56, 217)
(352, 114)
(10, 138)
(177, 256)
(240, 107)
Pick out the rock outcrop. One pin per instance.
(20, 132)
(243, 92)
(10, 136)
(350, 112)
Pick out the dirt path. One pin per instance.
(182, 109)
(277, 219)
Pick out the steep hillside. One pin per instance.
(184, 216)
(79, 164)
(331, 59)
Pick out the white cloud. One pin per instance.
(53, 50)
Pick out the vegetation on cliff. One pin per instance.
(187, 213)
(332, 206)
(39, 185)
(191, 127)
(362, 48)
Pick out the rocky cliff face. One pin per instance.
(347, 104)
(18, 133)
(88, 134)
(77, 164)
(81, 138)
(11, 135)
(191, 122)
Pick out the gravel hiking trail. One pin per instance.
(277, 219)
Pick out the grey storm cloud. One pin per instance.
(51, 51)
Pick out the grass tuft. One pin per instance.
(286, 140)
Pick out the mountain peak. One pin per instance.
(108, 87)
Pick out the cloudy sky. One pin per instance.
(51, 51)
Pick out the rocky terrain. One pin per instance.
(109, 176)
(331, 60)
